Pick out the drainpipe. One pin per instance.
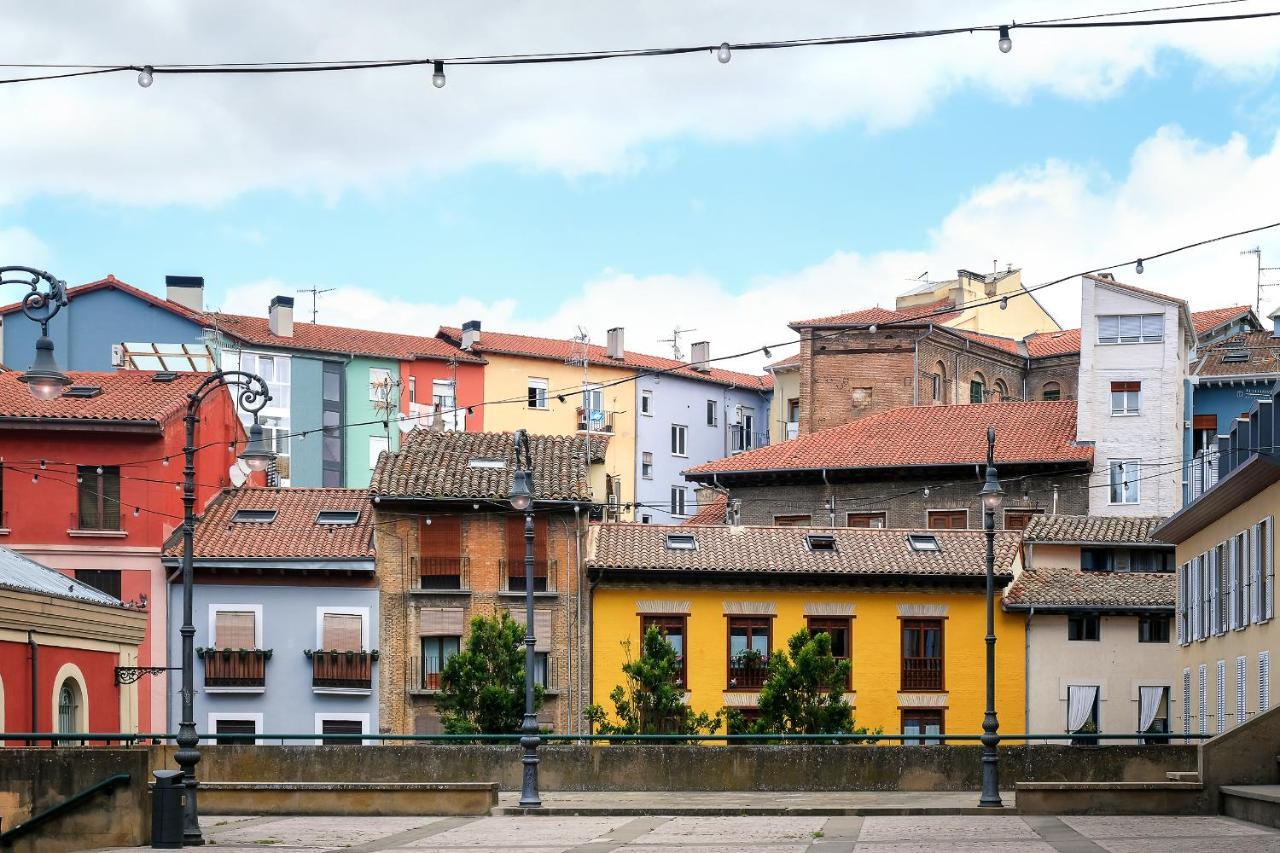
(831, 504)
(35, 691)
(1026, 691)
(578, 707)
(915, 368)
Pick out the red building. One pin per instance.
(60, 644)
(90, 484)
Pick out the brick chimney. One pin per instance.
(470, 334)
(185, 290)
(616, 350)
(700, 355)
(280, 316)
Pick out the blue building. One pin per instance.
(286, 614)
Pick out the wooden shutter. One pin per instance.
(341, 631)
(441, 622)
(234, 629)
(541, 627)
(440, 545)
(110, 483)
(515, 546)
(948, 519)
(1125, 387)
(87, 498)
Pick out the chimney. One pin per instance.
(280, 316)
(701, 354)
(615, 344)
(470, 334)
(186, 290)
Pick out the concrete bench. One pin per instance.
(347, 798)
(1110, 798)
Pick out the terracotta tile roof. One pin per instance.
(315, 337)
(790, 361)
(712, 512)
(721, 549)
(127, 395)
(1007, 344)
(440, 465)
(1110, 282)
(561, 350)
(1044, 344)
(1261, 351)
(1062, 587)
(1088, 529)
(885, 315)
(1027, 432)
(116, 284)
(292, 534)
(1208, 320)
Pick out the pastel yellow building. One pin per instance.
(906, 607)
(784, 416)
(972, 293)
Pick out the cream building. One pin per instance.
(972, 293)
(1098, 596)
(784, 414)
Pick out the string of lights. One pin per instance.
(723, 51)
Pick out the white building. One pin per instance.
(1135, 348)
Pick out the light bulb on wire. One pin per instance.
(1005, 43)
(146, 76)
(724, 54)
(437, 74)
(1139, 268)
(1004, 303)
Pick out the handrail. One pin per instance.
(570, 738)
(7, 838)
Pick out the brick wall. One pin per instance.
(962, 365)
(1065, 370)
(406, 706)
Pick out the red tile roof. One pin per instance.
(789, 361)
(561, 350)
(317, 337)
(1030, 432)
(885, 315)
(1050, 588)
(711, 512)
(1007, 344)
(1260, 350)
(1044, 344)
(127, 395)
(292, 534)
(1207, 321)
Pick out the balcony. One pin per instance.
(793, 429)
(451, 417)
(921, 674)
(748, 673)
(742, 439)
(432, 667)
(598, 420)
(110, 524)
(443, 574)
(236, 669)
(513, 571)
(341, 670)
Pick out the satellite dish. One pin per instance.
(244, 468)
(238, 477)
(406, 423)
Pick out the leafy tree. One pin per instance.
(482, 688)
(804, 691)
(651, 700)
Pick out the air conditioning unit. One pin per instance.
(117, 355)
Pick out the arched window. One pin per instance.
(977, 388)
(940, 383)
(1051, 391)
(70, 706)
(1001, 391)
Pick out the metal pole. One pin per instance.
(187, 755)
(990, 725)
(529, 740)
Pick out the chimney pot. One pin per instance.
(700, 356)
(185, 290)
(616, 350)
(280, 316)
(470, 334)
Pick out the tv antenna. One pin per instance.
(674, 340)
(315, 292)
(1256, 251)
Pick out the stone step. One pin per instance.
(1183, 776)
(1111, 798)
(1255, 803)
(348, 798)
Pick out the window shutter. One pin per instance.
(1130, 326)
(1181, 614)
(541, 627)
(1119, 387)
(1264, 680)
(1214, 601)
(1241, 674)
(87, 498)
(1186, 703)
(1204, 699)
(1255, 583)
(110, 482)
(441, 622)
(341, 631)
(440, 545)
(234, 629)
(1221, 683)
(1267, 569)
(515, 545)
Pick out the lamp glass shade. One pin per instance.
(256, 455)
(521, 491)
(43, 379)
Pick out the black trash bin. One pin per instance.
(166, 809)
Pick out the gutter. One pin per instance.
(694, 475)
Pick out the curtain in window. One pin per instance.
(1080, 701)
(1148, 706)
(341, 631)
(234, 630)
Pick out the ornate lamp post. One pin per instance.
(992, 495)
(43, 379)
(253, 395)
(522, 501)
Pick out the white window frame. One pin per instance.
(713, 413)
(1135, 483)
(215, 716)
(375, 450)
(1125, 411)
(1111, 331)
(682, 431)
(362, 612)
(540, 384)
(646, 403)
(350, 716)
(646, 462)
(683, 503)
(379, 387)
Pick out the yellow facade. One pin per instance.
(506, 377)
(1021, 316)
(876, 646)
(786, 387)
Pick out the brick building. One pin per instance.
(449, 547)
(915, 467)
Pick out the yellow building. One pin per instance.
(784, 415)
(971, 294)
(906, 607)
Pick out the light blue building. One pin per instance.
(286, 615)
(688, 418)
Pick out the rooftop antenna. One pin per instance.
(674, 340)
(1256, 251)
(315, 292)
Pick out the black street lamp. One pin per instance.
(991, 495)
(522, 501)
(43, 379)
(257, 456)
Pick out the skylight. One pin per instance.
(820, 542)
(681, 542)
(923, 542)
(482, 462)
(254, 516)
(338, 517)
(1235, 356)
(82, 391)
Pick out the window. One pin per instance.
(681, 542)
(749, 643)
(443, 395)
(922, 662)
(70, 711)
(413, 389)
(236, 629)
(646, 403)
(1153, 629)
(793, 520)
(1130, 328)
(948, 519)
(1125, 476)
(440, 558)
(793, 411)
(1125, 397)
(1051, 391)
(379, 385)
(645, 518)
(1082, 712)
(679, 437)
(340, 727)
(253, 516)
(678, 495)
(939, 382)
(1083, 626)
(103, 580)
(436, 652)
(517, 571)
(1001, 391)
(921, 721)
(1126, 559)
(541, 666)
(338, 517)
(537, 393)
(838, 629)
(673, 629)
(378, 445)
(1235, 356)
(487, 462)
(865, 519)
(342, 632)
(98, 497)
(816, 542)
(646, 465)
(227, 727)
(713, 413)
(977, 388)
(331, 438)
(1018, 519)
(1153, 713)
(921, 542)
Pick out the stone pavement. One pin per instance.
(752, 834)
(707, 803)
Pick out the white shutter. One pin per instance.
(1193, 599)
(1215, 601)
(1233, 583)
(1186, 702)
(1204, 698)
(1181, 616)
(1255, 585)
(1264, 680)
(1240, 677)
(1221, 683)
(1267, 569)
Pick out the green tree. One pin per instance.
(482, 688)
(804, 691)
(651, 699)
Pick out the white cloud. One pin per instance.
(1051, 221)
(19, 245)
(205, 139)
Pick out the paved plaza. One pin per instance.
(754, 834)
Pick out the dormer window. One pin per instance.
(1235, 356)
(681, 542)
(820, 542)
(338, 517)
(486, 463)
(923, 542)
(253, 516)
